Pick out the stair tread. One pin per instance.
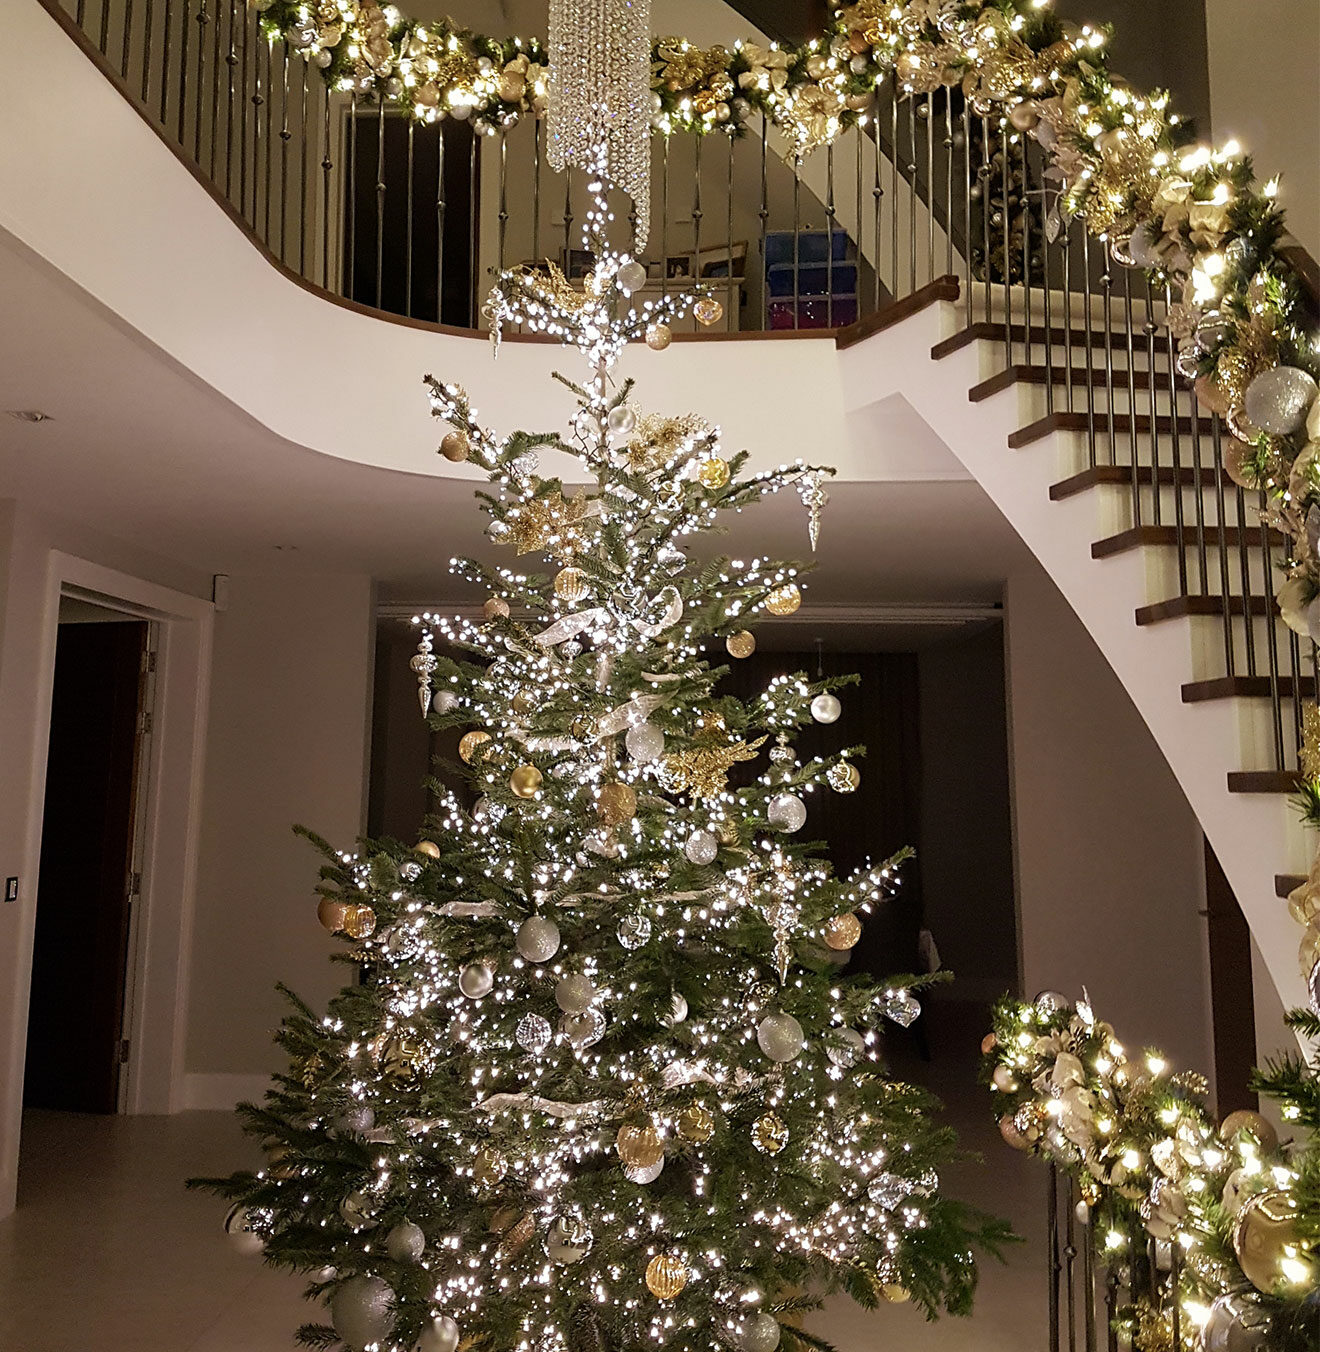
(1179, 607)
(942, 288)
(1135, 536)
(1263, 781)
(1077, 337)
(1244, 687)
(1064, 421)
(1186, 476)
(1083, 376)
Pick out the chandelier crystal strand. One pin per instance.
(600, 95)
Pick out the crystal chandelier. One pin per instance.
(600, 89)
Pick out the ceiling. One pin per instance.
(140, 448)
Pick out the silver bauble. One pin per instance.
(538, 938)
(362, 1311)
(1278, 400)
(405, 1243)
(568, 1239)
(847, 1047)
(440, 1335)
(826, 708)
(1235, 1325)
(644, 1173)
(1051, 1002)
(356, 1209)
(701, 847)
(476, 980)
(634, 930)
(758, 1332)
(584, 1029)
(575, 993)
(632, 277)
(786, 812)
(780, 1037)
(355, 1120)
(534, 1033)
(645, 742)
(621, 420)
(903, 1007)
(678, 1010)
(244, 1240)
(410, 870)
(444, 702)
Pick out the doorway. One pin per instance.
(89, 876)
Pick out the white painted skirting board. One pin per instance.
(222, 1092)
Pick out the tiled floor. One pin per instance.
(107, 1253)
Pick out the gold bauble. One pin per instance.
(708, 311)
(584, 727)
(714, 473)
(571, 583)
(666, 1276)
(727, 831)
(770, 1134)
(843, 777)
(988, 1043)
(524, 701)
(359, 922)
(784, 600)
(455, 446)
(1008, 1129)
(469, 742)
(1246, 1120)
(696, 1124)
(616, 803)
(640, 1147)
(428, 848)
(658, 337)
(331, 914)
(894, 1293)
(525, 781)
(842, 931)
(1266, 1233)
(496, 608)
(741, 644)
(489, 1167)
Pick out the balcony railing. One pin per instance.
(413, 219)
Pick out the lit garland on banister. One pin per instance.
(1234, 1216)
(603, 1087)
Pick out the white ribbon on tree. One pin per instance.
(501, 1103)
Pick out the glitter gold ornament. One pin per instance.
(843, 931)
(696, 1124)
(496, 608)
(571, 583)
(741, 644)
(658, 337)
(359, 922)
(704, 770)
(666, 1276)
(427, 847)
(525, 781)
(489, 1167)
(639, 1147)
(616, 803)
(469, 742)
(455, 446)
(784, 600)
(516, 1236)
(1267, 1232)
(331, 914)
(843, 777)
(770, 1134)
(708, 311)
(714, 472)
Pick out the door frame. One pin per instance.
(156, 1025)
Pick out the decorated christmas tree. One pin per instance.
(601, 1083)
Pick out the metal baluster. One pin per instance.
(1024, 209)
(696, 210)
(1088, 1280)
(763, 215)
(861, 239)
(1055, 1267)
(1175, 451)
(474, 238)
(1088, 345)
(350, 205)
(829, 235)
(104, 42)
(327, 165)
(733, 310)
(440, 223)
(1048, 309)
(216, 62)
(893, 185)
(568, 216)
(1271, 640)
(125, 46)
(1107, 281)
(1175, 1307)
(986, 173)
(1244, 574)
(231, 60)
(948, 182)
(1066, 306)
(80, 12)
(1295, 664)
(1005, 186)
(911, 169)
(664, 220)
(1221, 540)
(258, 109)
(797, 232)
(1069, 1268)
(968, 179)
(165, 48)
(1134, 441)
(1111, 1299)
(536, 190)
(204, 18)
(285, 134)
(504, 197)
(877, 204)
(380, 200)
(183, 69)
(929, 107)
(1148, 328)
(243, 119)
(408, 219)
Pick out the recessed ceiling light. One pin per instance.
(32, 415)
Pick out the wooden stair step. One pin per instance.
(942, 288)
(1245, 687)
(1064, 421)
(1186, 476)
(1179, 607)
(1084, 377)
(1077, 337)
(1263, 781)
(1136, 536)
(1287, 882)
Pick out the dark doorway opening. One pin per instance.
(77, 1036)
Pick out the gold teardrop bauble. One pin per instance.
(496, 608)
(455, 446)
(770, 1134)
(842, 931)
(331, 914)
(714, 473)
(784, 600)
(571, 583)
(708, 311)
(616, 803)
(658, 337)
(469, 742)
(427, 847)
(639, 1147)
(525, 781)
(359, 922)
(666, 1276)
(696, 1123)
(741, 644)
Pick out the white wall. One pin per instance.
(291, 689)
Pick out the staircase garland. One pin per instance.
(1160, 1178)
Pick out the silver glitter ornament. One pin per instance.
(758, 1332)
(780, 1037)
(1277, 401)
(645, 742)
(355, 1120)
(442, 1334)
(362, 1311)
(701, 847)
(405, 1243)
(575, 993)
(534, 1033)
(538, 938)
(847, 1047)
(786, 812)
